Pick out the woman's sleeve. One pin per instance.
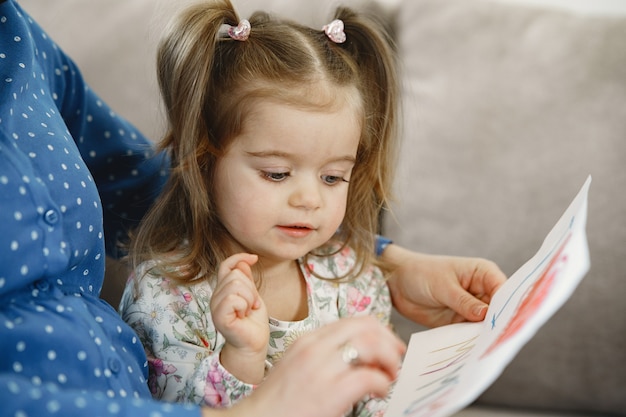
(381, 244)
(128, 172)
(183, 348)
(22, 397)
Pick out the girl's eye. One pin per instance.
(275, 176)
(333, 179)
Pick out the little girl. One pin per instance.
(281, 139)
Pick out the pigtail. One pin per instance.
(371, 51)
(182, 216)
(374, 52)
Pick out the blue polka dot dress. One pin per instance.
(70, 170)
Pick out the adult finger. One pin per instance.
(359, 341)
(315, 376)
(465, 305)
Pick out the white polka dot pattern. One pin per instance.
(70, 169)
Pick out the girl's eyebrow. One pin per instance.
(269, 154)
(281, 154)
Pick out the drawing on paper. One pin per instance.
(532, 299)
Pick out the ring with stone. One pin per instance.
(350, 354)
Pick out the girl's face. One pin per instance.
(282, 186)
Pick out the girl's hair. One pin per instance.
(208, 82)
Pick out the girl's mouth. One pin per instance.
(296, 230)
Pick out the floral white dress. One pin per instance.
(183, 347)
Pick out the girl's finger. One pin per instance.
(236, 285)
(230, 263)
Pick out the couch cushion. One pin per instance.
(508, 109)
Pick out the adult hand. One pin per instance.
(436, 290)
(314, 379)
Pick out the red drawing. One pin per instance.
(533, 298)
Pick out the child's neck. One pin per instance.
(283, 290)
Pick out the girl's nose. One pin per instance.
(306, 194)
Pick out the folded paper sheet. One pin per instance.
(447, 368)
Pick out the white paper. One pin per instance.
(447, 368)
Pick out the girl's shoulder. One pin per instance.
(150, 280)
(335, 260)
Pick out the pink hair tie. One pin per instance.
(334, 31)
(241, 31)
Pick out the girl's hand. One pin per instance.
(241, 317)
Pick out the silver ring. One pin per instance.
(350, 354)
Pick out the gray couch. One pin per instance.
(508, 108)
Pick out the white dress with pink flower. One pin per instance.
(183, 347)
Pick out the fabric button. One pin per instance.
(115, 365)
(51, 217)
(42, 285)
